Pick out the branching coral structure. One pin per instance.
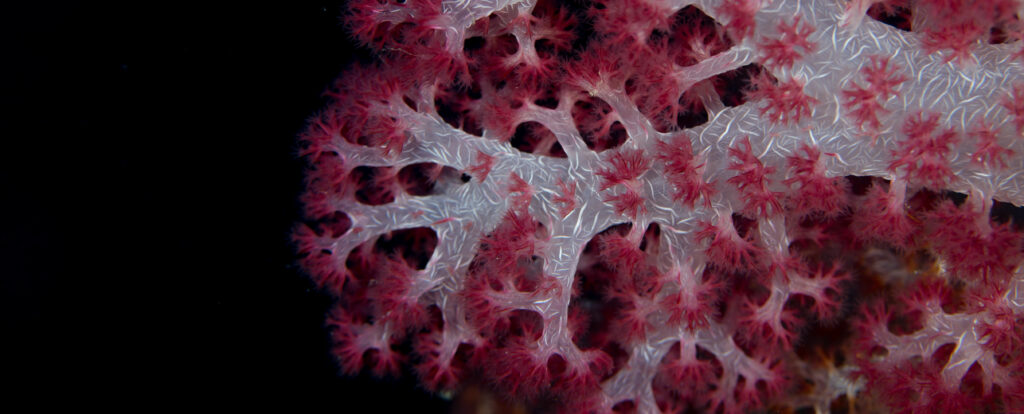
(678, 205)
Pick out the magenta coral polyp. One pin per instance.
(714, 206)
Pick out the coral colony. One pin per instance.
(678, 206)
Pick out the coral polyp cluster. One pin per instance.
(678, 206)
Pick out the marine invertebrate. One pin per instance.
(653, 205)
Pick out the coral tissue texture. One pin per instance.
(678, 206)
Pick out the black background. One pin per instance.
(150, 183)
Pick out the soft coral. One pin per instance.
(684, 170)
(630, 21)
(972, 246)
(924, 155)
(753, 180)
(728, 250)
(785, 100)
(693, 304)
(817, 194)
(923, 355)
(882, 216)
(781, 51)
(865, 103)
(357, 343)
(626, 168)
(960, 25)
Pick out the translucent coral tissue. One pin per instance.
(677, 206)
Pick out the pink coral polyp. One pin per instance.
(615, 205)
